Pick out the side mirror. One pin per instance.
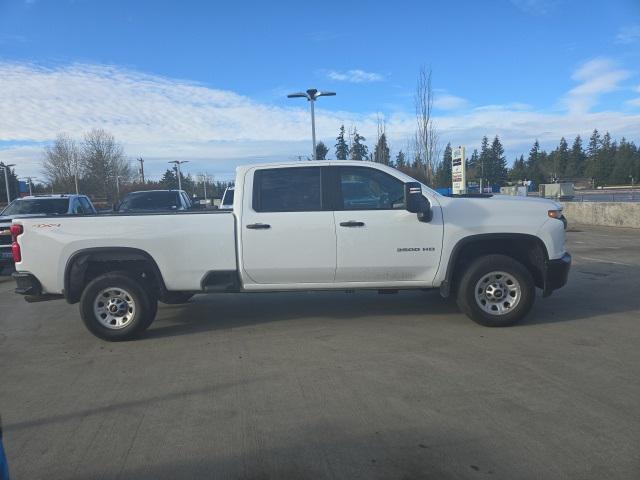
(416, 203)
(412, 196)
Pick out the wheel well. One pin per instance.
(527, 249)
(86, 265)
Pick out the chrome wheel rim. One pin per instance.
(498, 293)
(114, 308)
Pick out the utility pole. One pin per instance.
(30, 187)
(311, 95)
(141, 160)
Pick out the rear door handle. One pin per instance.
(352, 223)
(258, 226)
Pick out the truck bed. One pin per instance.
(184, 245)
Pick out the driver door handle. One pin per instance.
(258, 226)
(352, 223)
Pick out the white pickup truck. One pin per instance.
(326, 225)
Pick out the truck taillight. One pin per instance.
(16, 230)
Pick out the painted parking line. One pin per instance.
(600, 260)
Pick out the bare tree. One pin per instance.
(426, 139)
(61, 164)
(104, 164)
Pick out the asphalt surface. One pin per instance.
(334, 385)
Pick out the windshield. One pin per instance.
(43, 206)
(150, 201)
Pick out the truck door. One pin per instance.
(287, 236)
(378, 239)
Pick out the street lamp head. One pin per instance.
(298, 95)
(326, 94)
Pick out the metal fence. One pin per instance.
(606, 197)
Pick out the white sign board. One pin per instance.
(458, 171)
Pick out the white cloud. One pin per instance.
(628, 35)
(445, 101)
(163, 119)
(354, 76)
(596, 77)
(634, 102)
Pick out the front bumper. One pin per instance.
(29, 286)
(556, 273)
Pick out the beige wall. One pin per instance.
(612, 214)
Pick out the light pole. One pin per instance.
(6, 179)
(311, 95)
(205, 177)
(177, 163)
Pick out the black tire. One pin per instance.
(139, 306)
(484, 267)
(176, 298)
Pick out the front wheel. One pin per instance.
(115, 306)
(496, 291)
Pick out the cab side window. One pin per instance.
(77, 208)
(88, 209)
(362, 188)
(296, 189)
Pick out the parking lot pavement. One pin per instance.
(334, 385)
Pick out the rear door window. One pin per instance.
(296, 189)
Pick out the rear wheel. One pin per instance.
(496, 291)
(115, 306)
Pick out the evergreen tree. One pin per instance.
(624, 163)
(473, 165)
(593, 150)
(381, 153)
(359, 150)
(321, 151)
(443, 172)
(606, 157)
(518, 171)
(496, 170)
(534, 164)
(342, 149)
(561, 159)
(169, 180)
(401, 160)
(576, 162)
(482, 160)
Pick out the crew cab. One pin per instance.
(325, 225)
(39, 206)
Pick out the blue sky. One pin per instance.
(206, 81)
